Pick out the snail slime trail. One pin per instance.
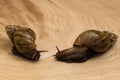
(87, 44)
(23, 40)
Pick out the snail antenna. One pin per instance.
(43, 51)
(57, 49)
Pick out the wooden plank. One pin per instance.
(59, 22)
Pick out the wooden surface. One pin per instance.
(59, 22)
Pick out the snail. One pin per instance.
(23, 40)
(88, 44)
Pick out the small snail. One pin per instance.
(23, 40)
(87, 44)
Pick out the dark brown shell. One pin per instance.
(96, 40)
(24, 40)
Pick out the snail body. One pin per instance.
(87, 44)
(23, 40)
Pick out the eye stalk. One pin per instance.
(57, 49)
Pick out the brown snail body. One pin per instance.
(87, 45)
(23, 40)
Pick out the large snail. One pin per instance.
(23, 40)
(87, 45)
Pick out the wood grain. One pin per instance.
(59, 22)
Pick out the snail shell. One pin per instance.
(23, 40)
(87, 45)
(96, 40)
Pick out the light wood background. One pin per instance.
(59, 22)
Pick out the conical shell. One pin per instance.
(96, 40)
(24, 40)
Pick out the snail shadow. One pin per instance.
(5, 45)
(20, 56)
(81, 62)
(103, 53)
(95, 55)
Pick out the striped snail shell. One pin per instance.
(23, 40)
(87, 45)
